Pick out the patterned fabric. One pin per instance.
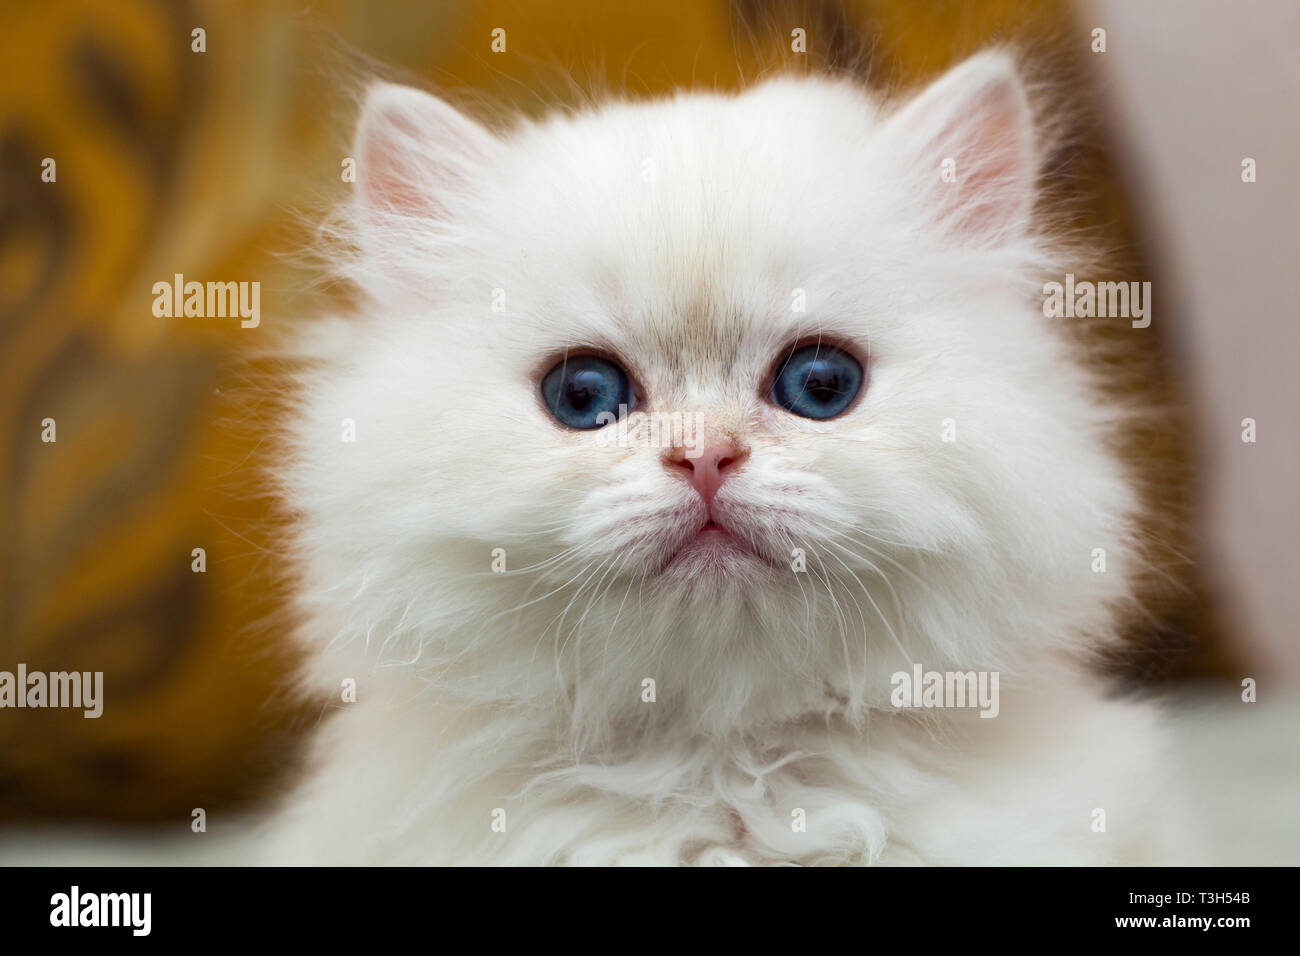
(169, 160)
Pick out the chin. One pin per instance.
(715, 560)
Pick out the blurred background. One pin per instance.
(171, 160)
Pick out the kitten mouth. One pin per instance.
(713, 548)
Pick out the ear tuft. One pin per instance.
(416, 153)
(973, 127)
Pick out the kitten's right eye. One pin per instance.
(584, 391)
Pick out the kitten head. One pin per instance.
(752, 396)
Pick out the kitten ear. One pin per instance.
(415, 153)
(971, 135)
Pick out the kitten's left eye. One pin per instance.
(817, 381)
(583, 388)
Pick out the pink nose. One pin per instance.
(707, 470)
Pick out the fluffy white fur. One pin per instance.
(674, 235)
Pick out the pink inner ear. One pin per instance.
(415, 152)
(978, 116)
(995, 172)
(385, 175)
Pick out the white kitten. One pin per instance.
(685, 651)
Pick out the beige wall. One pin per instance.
(1195, 86)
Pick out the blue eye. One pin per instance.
(817, 381)
(583, 388)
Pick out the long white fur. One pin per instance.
(674, 234)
